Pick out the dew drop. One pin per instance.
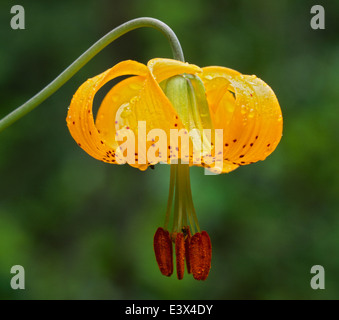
(126, 111)
(230, 107)
(251, 113)
(134, 86)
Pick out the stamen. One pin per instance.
(176, 200)
(196, 250)
(181, 190)
(163, 251)
(200, 253)
(180, 255)
(190, 205)
(170, 196)
(187, 234)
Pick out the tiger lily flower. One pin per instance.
(227, 120)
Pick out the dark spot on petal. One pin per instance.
(235, 140)
(241, 156)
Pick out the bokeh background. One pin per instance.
(83, 229)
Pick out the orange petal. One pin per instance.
(80, 116)
(162, 69)
(247, 110)
(140, 99)
(112, 115)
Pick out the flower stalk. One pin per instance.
(69, 72)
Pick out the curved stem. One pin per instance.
(86, 57)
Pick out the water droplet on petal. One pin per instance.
(134, 99)
(115, 98)
(230, 107)
(134, 86)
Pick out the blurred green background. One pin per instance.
(83, 229)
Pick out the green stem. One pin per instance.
(86, 57)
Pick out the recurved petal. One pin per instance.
(247, 110)
(140, 105)
(80, 119)
(114, 116)
(162, 69)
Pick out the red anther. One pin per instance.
(187, 233)
(200, 255)
(180, 254)
(163, 250)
